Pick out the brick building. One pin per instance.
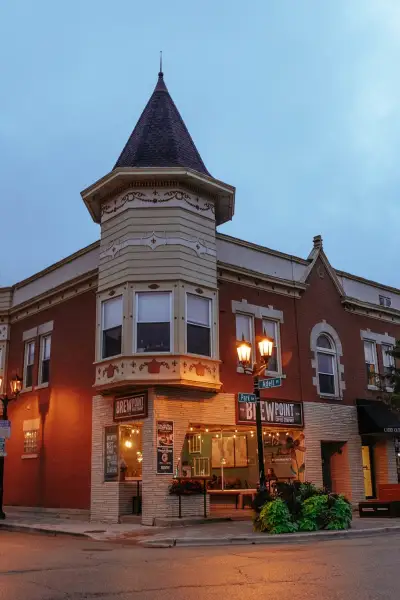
(127, 349)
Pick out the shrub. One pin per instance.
(261, 498)
(340, 514)
(275, 518)
(185, 487)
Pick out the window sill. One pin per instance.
(28, 456)
(330, 397)
(26, 390)
(373, 388)
(41, 386)
(390, 390)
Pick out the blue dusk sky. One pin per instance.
(294, 102)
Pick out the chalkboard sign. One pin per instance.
(111, 453)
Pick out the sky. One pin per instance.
(294, 102)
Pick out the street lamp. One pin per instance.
(15, 386)
(265, 346)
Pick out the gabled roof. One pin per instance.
(160, 138)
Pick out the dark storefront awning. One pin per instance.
(376, 418)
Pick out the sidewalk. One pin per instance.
(205, 534)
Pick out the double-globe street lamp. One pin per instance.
(244, 351)
(15, 386)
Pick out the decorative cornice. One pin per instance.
(373, 311)
(233, 274)
(154, 241)
(149, 199)
(61, 293)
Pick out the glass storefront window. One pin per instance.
(130, 451)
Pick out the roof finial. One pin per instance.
(161, 74)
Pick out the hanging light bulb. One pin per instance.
(128, 444)
(191, 429)
(206, 429)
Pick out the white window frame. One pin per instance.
(331, 352)
(26, 365)
(240, 369)
(323, 328)
(210, 314)
(194, 443)
(171, 321)
(42, 383)
(277, 345)
(2, 365)
(200, 461)
(372, 386)
(103, 303)
(387, 357)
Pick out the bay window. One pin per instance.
(198, 325)
(153, 322)
(111, 325)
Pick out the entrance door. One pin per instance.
(366, 459)
(326, 453)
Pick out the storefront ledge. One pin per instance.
(172, 369)
(185, 521)
(265, 538)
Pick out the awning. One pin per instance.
(376, 418)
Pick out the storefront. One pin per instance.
(378, 427)
(228, 455)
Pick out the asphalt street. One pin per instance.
(38, 567)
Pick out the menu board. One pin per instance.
(165, 447)
(111, 453)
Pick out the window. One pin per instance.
(153, 333)
(244, 328)
(194, 444)
(44, 369)
(131, 451)
(385, 301)
(111, 325)
(271, 329)
(198, 312)
(28, 363)
(388, 360)
(371, 361)
(201, 467)
(327, 366)
(31, 441)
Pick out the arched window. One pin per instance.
(327, 365)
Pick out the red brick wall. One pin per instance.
(320, 301)
(60, 477)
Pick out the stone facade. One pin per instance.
(334, 423)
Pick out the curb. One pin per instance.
(265, 539)
(40, 530)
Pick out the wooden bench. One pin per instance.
(244, 494)
(236, 493)
(386, 505)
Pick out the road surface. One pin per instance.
(37, 567)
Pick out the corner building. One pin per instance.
(127, 350)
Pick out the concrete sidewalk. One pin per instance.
(204, 534)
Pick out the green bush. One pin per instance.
(314, 514)
(340, 514)
(275, 518)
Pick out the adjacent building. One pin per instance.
(127, 349)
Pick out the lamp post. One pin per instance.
(15, 386)
(244, 349)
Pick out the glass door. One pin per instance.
(366, 459)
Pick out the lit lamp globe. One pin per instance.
(266, 346)
(244, 352)
(16, 385)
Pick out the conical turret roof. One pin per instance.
(160, 138)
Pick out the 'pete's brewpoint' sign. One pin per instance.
(272, 412)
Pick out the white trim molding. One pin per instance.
(259, 312)
(4, 332)
(154, 241)
(378, 338)
(317, 330)
(30, 334)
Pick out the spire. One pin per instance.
(160, 138)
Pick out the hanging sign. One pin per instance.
(132, 407)
(111, 453)
(165, 447)
(272, 412)
(5, 429)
